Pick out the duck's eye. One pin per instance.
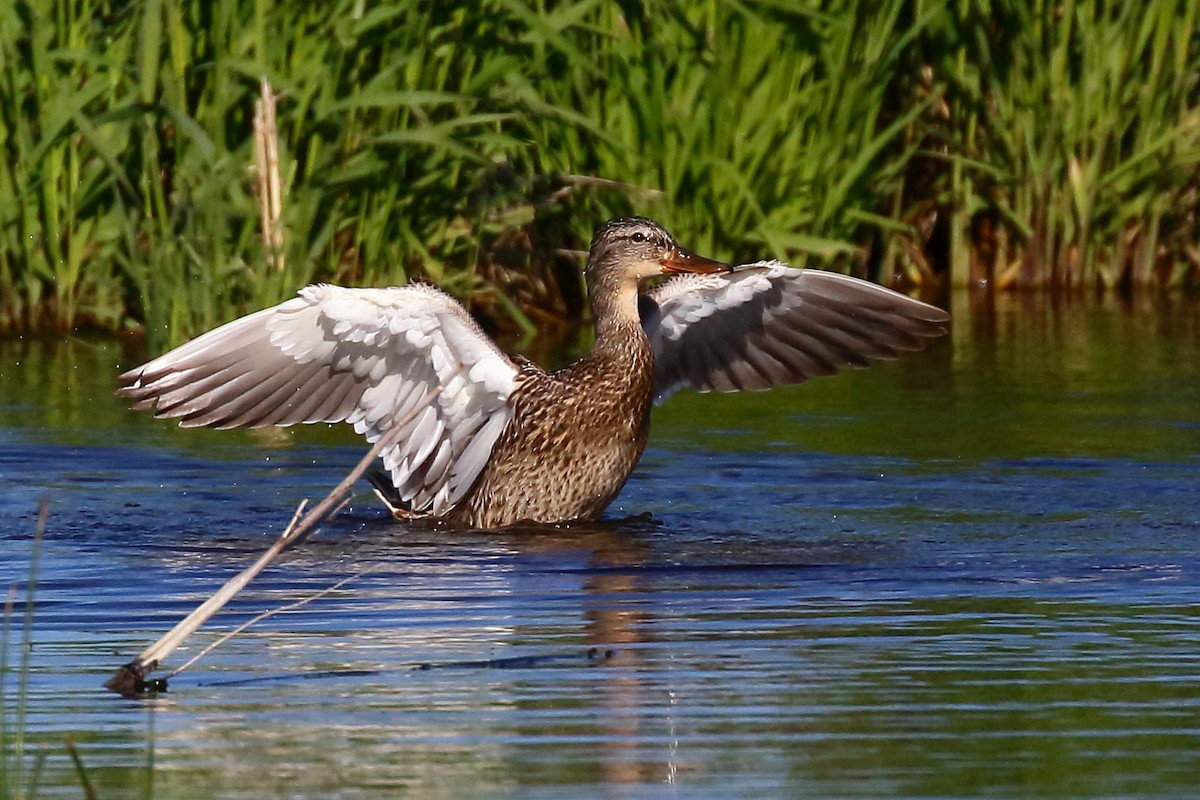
(639, 237)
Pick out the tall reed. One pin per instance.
(60, 228)
(1077, 127)
(761, 127)
(474, 144)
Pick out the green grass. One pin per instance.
(20, 770)
(472, 144)
(17, 779)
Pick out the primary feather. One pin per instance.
(765, 324)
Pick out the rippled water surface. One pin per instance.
(972, 573)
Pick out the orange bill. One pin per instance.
(679, 260)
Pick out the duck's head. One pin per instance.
(637, 248)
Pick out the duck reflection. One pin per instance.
(616, 627)
(614, 555)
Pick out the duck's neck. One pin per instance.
(615, 316)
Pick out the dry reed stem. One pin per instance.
(266, 164)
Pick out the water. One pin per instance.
(973, 573)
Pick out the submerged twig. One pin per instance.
(270, 613)
(130, 679)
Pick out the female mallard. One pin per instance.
(485, 440)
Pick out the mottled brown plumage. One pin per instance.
(576, 434)
(486, 441)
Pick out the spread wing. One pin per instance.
(766, 324)
(370, 357)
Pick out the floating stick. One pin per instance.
(130, 679)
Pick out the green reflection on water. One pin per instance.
(1025, 380)
(1028, 378)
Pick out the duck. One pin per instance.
(480, 439)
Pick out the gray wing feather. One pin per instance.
(767, 324)
(369, 357)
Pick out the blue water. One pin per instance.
(972, 573)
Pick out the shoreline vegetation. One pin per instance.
(1013, 145)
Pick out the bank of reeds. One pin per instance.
(472, 144)
(1074, 133)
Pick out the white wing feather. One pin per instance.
(369, 357)
(766, 324)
